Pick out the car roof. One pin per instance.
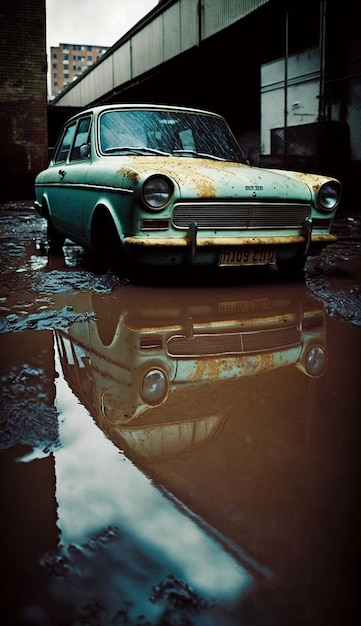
(142, 107)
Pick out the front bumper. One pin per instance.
(205, 251)
(181, 242)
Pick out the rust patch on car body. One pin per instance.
(204, 185)
(183, 171)
(313, 181)
(215, 368)
(129, 173)
(205, 188)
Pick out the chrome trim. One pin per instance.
(244, 342)
(307, 234)
(192, 240)
(84, 186)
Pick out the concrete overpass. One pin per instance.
(173, 30)
(212, 53)
(204, 53)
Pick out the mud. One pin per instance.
(227, 496)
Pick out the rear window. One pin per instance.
(81, 138)
(61, 152)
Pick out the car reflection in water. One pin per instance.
(140, 369)
(211, 395)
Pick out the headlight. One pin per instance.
(154, 387)
(157, 191)
(314, 361)
(329, 195)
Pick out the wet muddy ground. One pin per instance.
(178, 455)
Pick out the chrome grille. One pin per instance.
(240, 215)
(233, 343)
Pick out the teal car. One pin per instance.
(166, 186)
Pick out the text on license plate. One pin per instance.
(248, 255)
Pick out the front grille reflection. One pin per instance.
(233, 343)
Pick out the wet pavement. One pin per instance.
(174, 454)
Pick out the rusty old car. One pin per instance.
(165, 186)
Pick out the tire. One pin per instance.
(107, 244)
(55, 239)
(107, 317)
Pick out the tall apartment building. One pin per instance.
(68, 61)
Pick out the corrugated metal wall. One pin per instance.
(179, 27)
(219, 15)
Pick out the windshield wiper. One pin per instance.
(200, 155)
(135, 150)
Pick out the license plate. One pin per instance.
(248, 256)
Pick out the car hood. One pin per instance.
(215, 179)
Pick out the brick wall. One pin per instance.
(23, 97)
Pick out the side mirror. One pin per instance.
(84, 150)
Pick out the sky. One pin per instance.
(99, 22)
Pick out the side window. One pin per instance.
(65, 143)
(81, 138)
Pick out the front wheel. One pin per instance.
(55, 239)
(107, 244)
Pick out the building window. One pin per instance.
(55, 56)
(89, 48)
(55, 65)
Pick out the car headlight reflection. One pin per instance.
(315, 361)
(157, 191)
(154, 387)
(329, 195)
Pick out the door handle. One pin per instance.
(62, 173)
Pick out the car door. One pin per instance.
(70, 168)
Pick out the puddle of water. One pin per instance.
(97, 487)
(88, 535)
(225, 496)
(177, 456)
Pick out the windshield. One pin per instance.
(169, 133)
